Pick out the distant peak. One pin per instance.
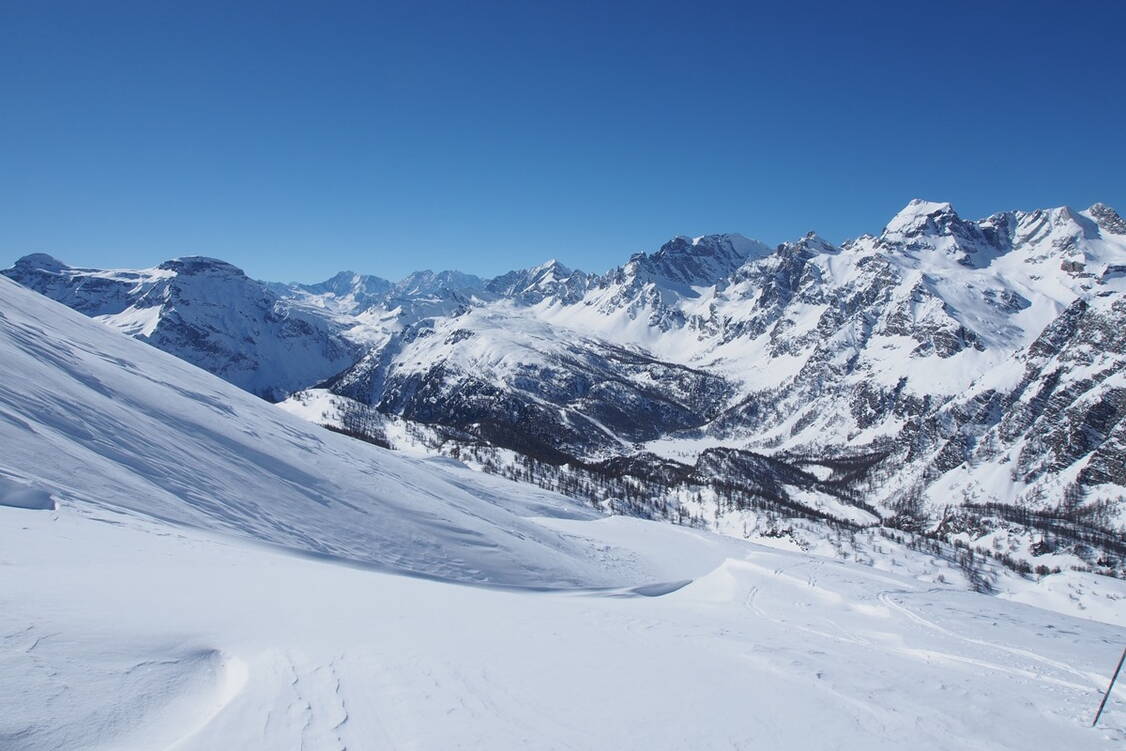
(727, 243)
(733, 237)
(201, 266)
(920, 216)
(809, 245)
(344, 283)
(816, 243)
(929, 207)
(551, 265)
(427, 282)
(40, 261)
(698, 261)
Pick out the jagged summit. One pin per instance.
(811, 242)
(550, 279)
(1107, 218)
(427, 282)
(551, 266)
(920, 216)
(345, 283)
(698, 261)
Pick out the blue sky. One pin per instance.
(298, 139)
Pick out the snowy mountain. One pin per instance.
(352, 293)
(548, 280)
(346, 292)
(694, 262)
(513, 381)
(914, 352)
(205, 311)
(943, 375)
(231, 575)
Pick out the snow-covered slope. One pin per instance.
(117, 634)
(98, 420)
(204, 311)
(511, 380)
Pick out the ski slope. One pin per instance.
(183, 566)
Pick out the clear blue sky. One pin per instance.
(298, 139)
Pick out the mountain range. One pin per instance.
(953, 377)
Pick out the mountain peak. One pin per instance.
(918, 216)
(815, 244)
(428, 282)
(41, 262)
(552, 272)
(741, 244)
(532, 285)
(345, 283)
(1107, 218)
(698, 261)
(201, 266)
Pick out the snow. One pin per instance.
(134, 321)
(915, 214)
(25, 496)
(207, 642)
(1098, 597)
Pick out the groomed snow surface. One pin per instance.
(183, 566)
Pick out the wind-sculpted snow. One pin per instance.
(117, 633)
(97, 419)
(20, 495)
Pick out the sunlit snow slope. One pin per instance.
(96, 418)
(145, 612)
